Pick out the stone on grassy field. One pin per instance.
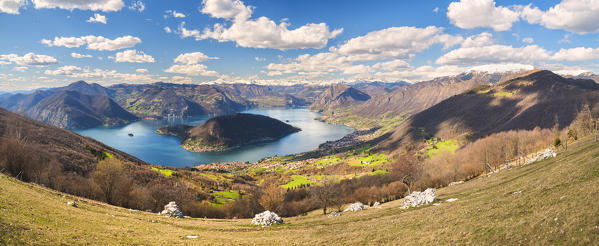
(267, 218)
(376, 204)
(355, 207)
(172, 210)
(548, 153)
(456, 183)
(451, 200)
(418, 198)
(71, 203)
(334, 214)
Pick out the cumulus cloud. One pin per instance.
(94, 42)
(570, 15)
(478, 40)
(20, 68)
(175, 14)
(64, 70)
(94, 5)
(468, 14)
(137, 6)
(226, 9)
(578, 16)
(396, 42)
(133, 56)
(188, 63)
(261, 32)
(11, 6)
(192, 58)
(141, 70)
(576, 54)
(79, 56)
(528, 40)
(494, 54)
(29, 59)
(167, 29)
(97, 18)
(191, 70)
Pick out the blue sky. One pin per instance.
(49, 43)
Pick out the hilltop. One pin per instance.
(538, 99)
(338, 95)
(548, 202)
(229, 131)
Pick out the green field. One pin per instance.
(442, 146)
(164, 171)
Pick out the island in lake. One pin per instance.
(229, 131)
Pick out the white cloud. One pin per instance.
(436, 10)
(565, 39)
(260, 32)
(494, 54)
(29, 59)
(167, 29)
(259, 59)
(396, 42)
(502, 67)
(482, 39)
(94, 42)
(180, 80)
(528, 40)
(141, 70)
(192, 70)
(94, 5)
(11, 6)
(133, 56)
(579, 16)
(226, 9)
(79, 56)
(188, 63)
(576, 54)
(468, 14)
(20, 69)
(137, 6)
(97, 18)
(175, 14)
(64, 70)
(192, 58)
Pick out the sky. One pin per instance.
(49, 43)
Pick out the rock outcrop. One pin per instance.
(267, 218)
(355, 207)
(418, 198)
(548, 153)
(172, 210)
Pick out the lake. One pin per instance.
(166, 150)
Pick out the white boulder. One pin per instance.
(354, 207)
(267, 218)
(71, 203)
(548, 153)
(418, 198)
(172, 210)
(455, 183)
(334, 214)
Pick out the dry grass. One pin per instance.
(558, 205)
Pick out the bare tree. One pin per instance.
(325, 195)
(272, 198)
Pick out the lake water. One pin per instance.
(166, 150)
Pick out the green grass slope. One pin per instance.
(557, 205)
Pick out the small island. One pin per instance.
(229, 131)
